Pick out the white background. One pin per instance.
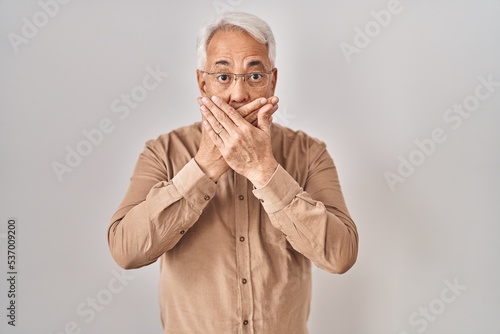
(440, 224)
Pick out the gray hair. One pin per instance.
(251, 24)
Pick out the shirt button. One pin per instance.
(241, 197)
(242, 239)
(182, 232)
(206, 197)
(245, 322)
(244, 281)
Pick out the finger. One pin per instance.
(230, 119)
(214, 112)
(274, 109)
(273, 100)
(216, 139)
(250, 111)
(215, 126)
(268, 108)
(252, 117)
(265, 120)
(252, 107)
(209, 111)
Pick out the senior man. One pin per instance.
(235, 206)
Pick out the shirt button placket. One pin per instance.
(243, 252)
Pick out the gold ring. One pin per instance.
(218, 132)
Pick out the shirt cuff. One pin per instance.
(278, 192)
(194, 185)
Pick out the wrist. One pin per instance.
(264, 175)
(213, 168)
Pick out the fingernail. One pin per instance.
(263, 101)
(203, 108)
(215, 98)
(204, 99)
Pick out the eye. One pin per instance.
(224, 78)
(255, 77)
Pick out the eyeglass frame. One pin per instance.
(235, 76)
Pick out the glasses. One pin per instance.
(224, 80)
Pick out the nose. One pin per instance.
(238, 93)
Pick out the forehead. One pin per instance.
(234, 48)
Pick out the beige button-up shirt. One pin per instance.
(234, 259)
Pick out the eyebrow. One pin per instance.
(255, 63)
(252, 63)
(222, 62)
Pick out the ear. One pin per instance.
(201, 83)
(274, 79)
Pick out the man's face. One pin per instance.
(234, 51)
